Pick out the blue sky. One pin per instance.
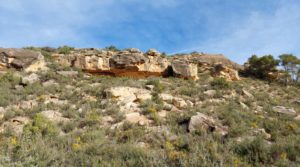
(236, 28)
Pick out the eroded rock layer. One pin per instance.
(134, 63)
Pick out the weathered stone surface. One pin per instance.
(28, 104)
(179, 103)
(221, 70)
(15, 124)
(204, 122)
(134, 63)
(184, 69)
(21, 59)
(130, 62)
(210, 93)
(263, 133)
(50, 83)
(136, 118)
(32, 78)
(54, 116)
(247, 94)
(204, 59)
(284, 110)
(128, 94)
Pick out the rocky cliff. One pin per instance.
(134, 63)
(129, 62)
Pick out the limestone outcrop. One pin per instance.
(21, 59)
(130, 62)
(134, 63)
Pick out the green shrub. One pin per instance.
(220, 83)
(41, 125)
(260, 67)
(255, 151)
(65, 49)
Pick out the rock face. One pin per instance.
(21, 59)
(215, 64)
(221, 70)
(185, 69)
(134, 63)
(130, 62)
(212, 59)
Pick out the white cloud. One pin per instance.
(260, 33)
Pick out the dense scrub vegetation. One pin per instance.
(83, 140)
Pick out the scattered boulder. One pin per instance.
(54, 116)
(136, 118)
(128, 94)
(32, 78)
(221, 70)
(297, 118)
(22, 59)
(150, 87)
(247, 94)
(244, 106)
(28, 104)
(204, 122)
(167, 97)
(296, 102)
(210, 93)
(179, 103)
(54, 99)
(263, 133)
(107, 120)
(15, 124)
(50, 83)
(284, 110)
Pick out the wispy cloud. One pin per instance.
(275, 32)
(235, 28)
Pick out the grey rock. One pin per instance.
(32, 78)
(284, 110)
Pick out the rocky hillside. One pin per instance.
(91, 107)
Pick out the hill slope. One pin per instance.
(65, 117)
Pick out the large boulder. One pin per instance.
(184, 69)
(127, 95)
(220, 70)
(21, 59)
